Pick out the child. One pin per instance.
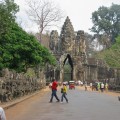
(64, 93)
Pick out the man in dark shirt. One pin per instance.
(54, 90)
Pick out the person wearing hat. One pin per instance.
(64, 93)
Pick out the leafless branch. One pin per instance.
(44, 13)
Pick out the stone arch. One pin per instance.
(68, 57)
(63, 60)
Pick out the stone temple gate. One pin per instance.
(69, 46)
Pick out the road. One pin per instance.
(83, 105)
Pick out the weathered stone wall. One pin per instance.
(14, 85)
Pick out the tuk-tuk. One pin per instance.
(71, 84)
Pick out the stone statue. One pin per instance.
(54, 41)
(67, 36)
(82, 42)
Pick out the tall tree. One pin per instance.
(44, 13)
(107, 20)
(8, 9)
(90, 44)
(21, 51)
(18, 49)
(112, 55)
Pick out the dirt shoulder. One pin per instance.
(11, 103)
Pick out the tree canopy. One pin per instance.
(18, 49)
(112, 55)
(106, 20)
(8, 9)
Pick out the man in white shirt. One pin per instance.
(102, 87)
(2, 114)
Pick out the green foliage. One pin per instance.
(67, 68)
(8, 9)
(112, 55)
(67, 72)
(20, 50)
(107, 20)
(30, 72)
(47, 56)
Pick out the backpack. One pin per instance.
(61, 90)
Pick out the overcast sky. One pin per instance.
(79, 12)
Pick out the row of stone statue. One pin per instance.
(11, 89)
(13, 85)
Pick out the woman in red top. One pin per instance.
(54, 91)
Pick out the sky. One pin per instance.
(79, 12)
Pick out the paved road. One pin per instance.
(83, 105)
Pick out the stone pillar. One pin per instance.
(61, 67)
(74, 73)
(61, 74)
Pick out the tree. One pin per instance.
(106, 20)
(112, 55)
(8, 9)
(21, 51)
(103, 40)
(90, 44)
(44, 14)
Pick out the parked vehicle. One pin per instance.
(71, 84)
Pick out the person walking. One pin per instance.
(54, 91)
(102, 87)
(2, 114)
(98, 87)
(85, 84)
(106, 87)
(91, 86)
(64, 93)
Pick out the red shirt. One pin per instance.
(54, 85)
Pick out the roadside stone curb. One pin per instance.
(18, 100)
